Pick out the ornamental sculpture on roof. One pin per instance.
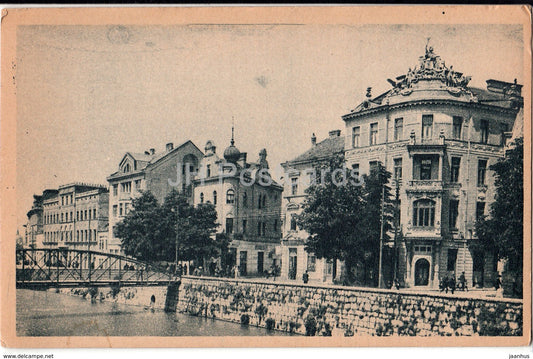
(431, 67)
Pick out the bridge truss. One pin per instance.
(45, 268)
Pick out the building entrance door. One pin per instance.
(292, 263)
(478, 267)
(260, 262)
(421, 272)
(243, 256)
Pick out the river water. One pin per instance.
(46, 313)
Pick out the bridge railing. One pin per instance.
(56, 267)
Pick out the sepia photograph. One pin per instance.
(266, 176)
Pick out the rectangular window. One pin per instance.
(126, 208)
(425, 167)
(258, 228)
(481, 172)
(398, 129)
(208, 170)
(263, 233)
(229, 225)
(121, 209)
(480, 210)
(94, 213)
(137, 184)
(427, 126)
(311, 262)
(484, 131)
(454, 173)
(452, 258)
(275, 225)
(115, 207)
(115, 189)
(397, 169)
(356, 133)
(244, 223)
(454, 212)
(294, 186)
(457, 127)
(373, 133)
(373, 166)
(504, 129)
(355, 169)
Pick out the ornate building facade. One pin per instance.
(247, 202)
(295, 259)
(438, 137)
(158, 173)
(75, 216)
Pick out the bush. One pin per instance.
(270, 324)
(245, 319)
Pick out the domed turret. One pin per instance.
(232, 153)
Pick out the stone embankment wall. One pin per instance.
(346, 311)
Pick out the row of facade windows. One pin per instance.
(427, 130)
(69, 199)
(125, 187)
(261, 226)
(231, 198)
(121, 209)
(60, 236)
(424, 213)
(82, 215)
(425, 168)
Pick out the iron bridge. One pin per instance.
(48, 268)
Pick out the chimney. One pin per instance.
(152, 151)
(313, 140)
(170, 146)
(334, 133)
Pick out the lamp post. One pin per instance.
(380, 274)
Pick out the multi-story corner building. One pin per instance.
(33, 237)
(247, 202)
(74, 216)
(298, 176)
(438, 137)
(158, 173)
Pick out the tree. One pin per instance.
(140, 230)
(190, 228)
(502, 232)
(154, 232)
(343, 218)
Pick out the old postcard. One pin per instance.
(266, 176)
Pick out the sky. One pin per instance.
(88, 94)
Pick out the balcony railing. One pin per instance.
(425, 185)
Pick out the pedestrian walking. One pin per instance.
(462, 282)
(498, 286)
(305, 277)
(443, 285)
(452, 284)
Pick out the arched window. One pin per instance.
(230, 196)
(245, 199)
(215, 198)
(202, 197)
(127, 168)
(424, 213)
